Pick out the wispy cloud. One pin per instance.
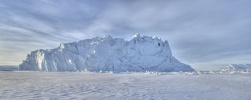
(199, 31)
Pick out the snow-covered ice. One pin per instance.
(124, 86)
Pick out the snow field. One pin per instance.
(125, 86)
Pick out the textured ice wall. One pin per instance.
(141, 53)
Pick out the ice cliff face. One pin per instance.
(141, 53)
(236, 67)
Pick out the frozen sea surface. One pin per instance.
(125, 86)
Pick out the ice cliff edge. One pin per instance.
(142, 53)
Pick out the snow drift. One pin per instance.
(142, 53)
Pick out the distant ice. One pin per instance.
(8, 68)
(237, 67)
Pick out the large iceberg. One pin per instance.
(140, 54)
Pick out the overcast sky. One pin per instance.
(202, 33)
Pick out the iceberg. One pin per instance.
(99, 54)
(236, 67)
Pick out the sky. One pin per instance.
(205, 34)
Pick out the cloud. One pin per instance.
(199, 31)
